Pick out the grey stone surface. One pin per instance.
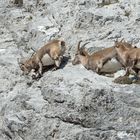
(71, 103)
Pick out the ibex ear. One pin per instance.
(116, 41)
(63, 43)
(84, 51)
(116, 45)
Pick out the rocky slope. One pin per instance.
(70, 103)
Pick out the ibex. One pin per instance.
(130, 58)
(50, 54)
(103, 61)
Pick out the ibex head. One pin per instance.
(123, 44)
(80, 52)
(25, 65)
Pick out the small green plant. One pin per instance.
(30, 18)
(18, 2)
(127, 13)
(107, 2)
(123, 80)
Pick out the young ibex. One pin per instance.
(101, 61)
(50, 54)
(130, 58)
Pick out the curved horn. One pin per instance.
(83, 49)
(84, 44)
(78, 46)
(122, 39)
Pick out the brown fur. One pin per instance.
(129, 57)
(97, 60)
(127, 46)
(55, 49)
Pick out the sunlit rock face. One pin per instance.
(71, 103)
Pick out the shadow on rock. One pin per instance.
(64, 61)
(63, 64)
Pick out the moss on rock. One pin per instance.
(123, 80)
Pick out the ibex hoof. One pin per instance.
(54, 69)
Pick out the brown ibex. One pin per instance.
(50, 54)
(101, 61)
(130, 58)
